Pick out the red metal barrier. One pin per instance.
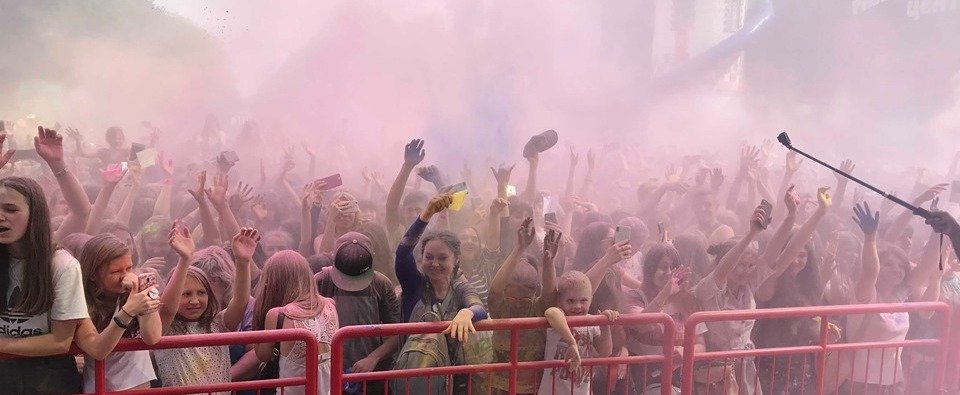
(217, 339)
(822, 349)
(514, 325)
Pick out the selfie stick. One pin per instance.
(785, 140)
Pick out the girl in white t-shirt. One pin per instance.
(189, 306)
(118, 309)
(41, 293)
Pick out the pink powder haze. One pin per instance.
(876, 82)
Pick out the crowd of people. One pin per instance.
(98, 245)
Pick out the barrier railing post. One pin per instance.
(100, 377)
(943, 353)
(686, 372)
(666, 367)
(336, 363)
(822, 354)
(313, 368)
(514, 357)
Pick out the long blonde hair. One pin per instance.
(287, 282)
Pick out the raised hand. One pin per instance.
(218, 192)
(288, 165)
(165, 164)
(574, 157)
(867, 222)
(180, 240)
(716, 178)
(551, 243)
(73, 134)
(749, 158)
(591, 159)
(438, 203)
(758, 220)
(931, 193)
(824, 201)
(502, 174)
(413, 153)
(259, 208)
(846, 166)
(308, 150)
(49, 144)
(679, 280)
(429, 173)
(673, 173)
(241, 196)
(525, 234)
(201, 187)
(244, 243)
(793, 162)
(112, 174)
(791, 199)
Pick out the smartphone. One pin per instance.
(661, 229)
(955, 192)
(331, 182)
(147, 280)
(229, 157)
(455, 188)
(136, 148)
(767, 211)
(550, 218)
(622, 234)
(511, 190)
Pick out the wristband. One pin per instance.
(119, 322)
(60, 173)
(125, 312)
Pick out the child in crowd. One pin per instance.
(190, 306)
(287, 294)
(574, 297)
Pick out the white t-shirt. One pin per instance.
(559, 380)
(68, 298)
(125, 370)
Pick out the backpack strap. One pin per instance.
(276, 346)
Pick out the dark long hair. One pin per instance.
(38, 249)
(588, 247)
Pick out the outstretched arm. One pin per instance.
(865, 289)
(413, 154)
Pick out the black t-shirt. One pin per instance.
(377, 304)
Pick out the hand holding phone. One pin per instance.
(767, 211)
